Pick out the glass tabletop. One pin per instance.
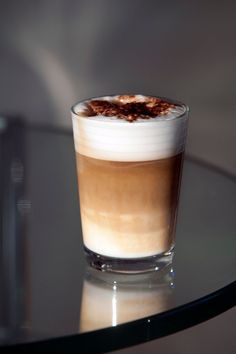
(50, 298)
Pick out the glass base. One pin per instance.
(133, 265)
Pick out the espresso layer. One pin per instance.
(128, 209)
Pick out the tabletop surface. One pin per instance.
(50, 297)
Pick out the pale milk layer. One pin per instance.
(110, 138)
(120, 244)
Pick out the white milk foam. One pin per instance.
(110, 138)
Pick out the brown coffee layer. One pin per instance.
(132, 205)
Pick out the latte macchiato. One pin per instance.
(129, 152)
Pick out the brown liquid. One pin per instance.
(128, 209)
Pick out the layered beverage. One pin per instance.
(129, 152)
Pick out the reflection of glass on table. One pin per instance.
(111, 299)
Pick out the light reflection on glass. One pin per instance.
(110, 299)
(17, 171)
(23, 206)
(114, 309)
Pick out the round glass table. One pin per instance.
(51, 300)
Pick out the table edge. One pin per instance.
(145, 329)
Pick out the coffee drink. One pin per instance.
(128, 209)
(129, 152)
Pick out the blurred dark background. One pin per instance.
(54, 53)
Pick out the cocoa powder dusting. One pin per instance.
(128, 108)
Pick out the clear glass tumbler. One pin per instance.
(129, 156)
